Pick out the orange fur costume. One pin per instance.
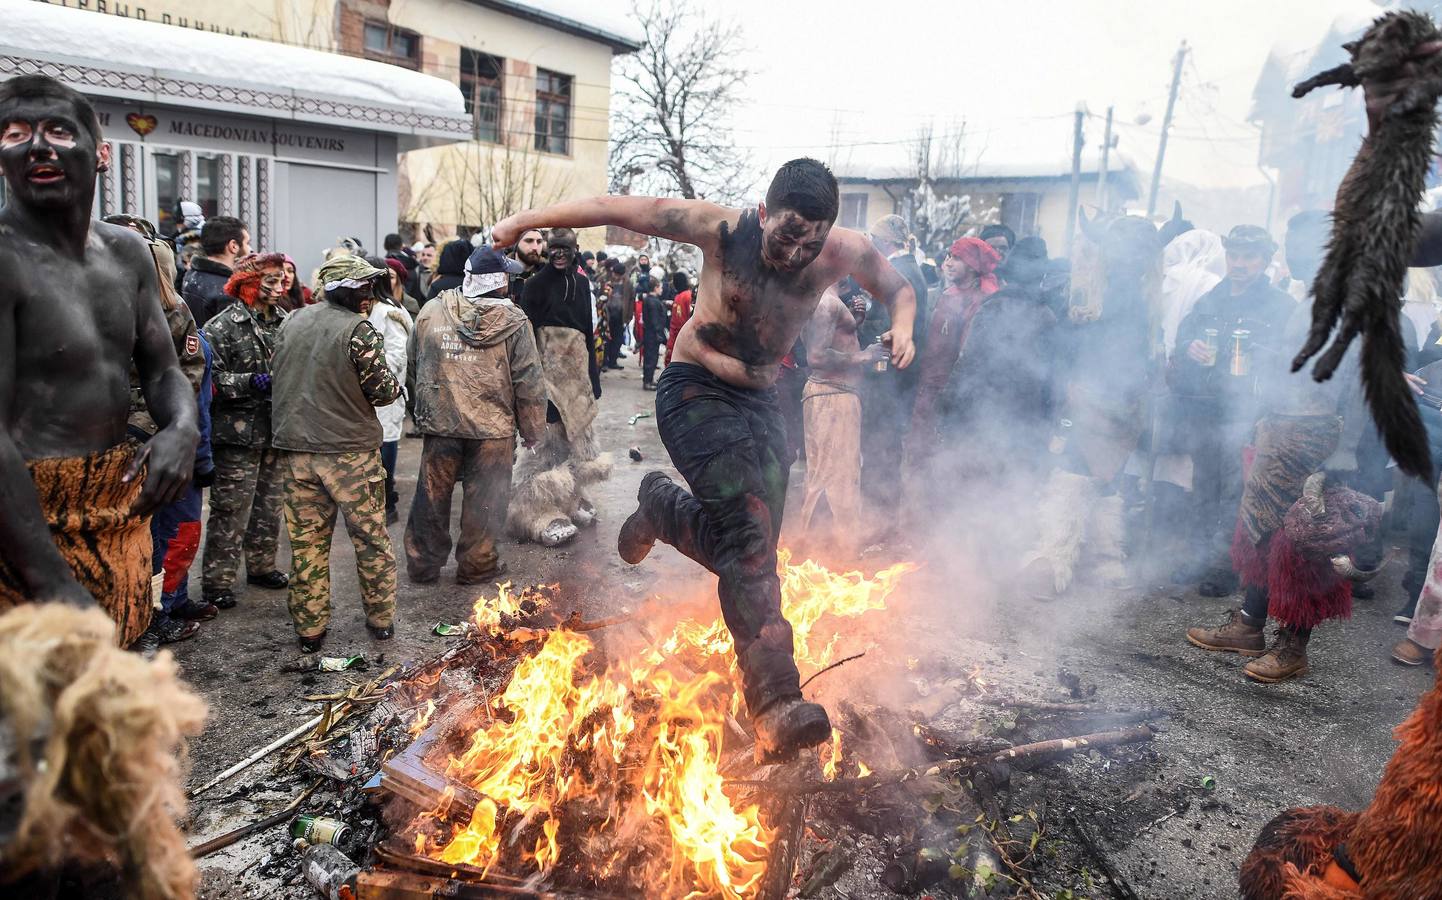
(1394, 845)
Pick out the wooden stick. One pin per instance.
(1120, 888)
(951, 767)
(257, 756)
(839, 662)
(225, 840)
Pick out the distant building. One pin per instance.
(527, 107)
(1030, 198)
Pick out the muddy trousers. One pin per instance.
(244, 515)
(730, 446)
(484, 469)
(317, 487)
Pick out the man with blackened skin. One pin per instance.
(716, 406)
(80, 305)
(245, 500)
(330, 375)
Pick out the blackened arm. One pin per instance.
(24, 535)
(368, 355)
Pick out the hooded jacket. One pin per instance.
(478, 373)
(450, 268)
(203, 288)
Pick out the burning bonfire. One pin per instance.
(606, 774)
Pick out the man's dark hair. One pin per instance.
(601, 256)
(36, 87)
(618, 267)
(680, 281)
(219, 231)
(992, 231)
(807, 188)
(392, 243)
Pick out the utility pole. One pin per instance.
(1101, 199)
(1075, 195)
(1166, 126)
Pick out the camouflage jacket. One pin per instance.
(242, 343)
(192, 363)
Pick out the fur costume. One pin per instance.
(1078, 532)
(1394, 845)
(244, 283)
(549, 503)
(93, 739)
(1376, 225)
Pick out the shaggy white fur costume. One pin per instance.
(1078, 532)
(549, 503)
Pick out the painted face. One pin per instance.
(1244, 266)
(49, 159)
(790, 243)
(531, 248)
(272, 286)
(563, 256)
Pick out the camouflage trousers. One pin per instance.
(244, 515)
(317, 486)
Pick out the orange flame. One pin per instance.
(639, 745)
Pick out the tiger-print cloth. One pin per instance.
(88, 509)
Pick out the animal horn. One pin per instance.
(1094, 232)
(1346, 567)
(1177, 211)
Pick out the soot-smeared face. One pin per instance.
(789, 242)
(562, 255)
(48, 157)
(272, 287)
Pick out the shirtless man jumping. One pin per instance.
(79, 303)
(716, 408)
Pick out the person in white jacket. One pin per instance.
(395, 326)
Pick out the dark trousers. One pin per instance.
(174, 541)
(1216, 447)
(389, 452)
(730, 446)
(484, 468)
(886, 403)
(613, 342)
(650, 354)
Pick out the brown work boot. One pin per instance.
(1286, 660)
(638, 535)
(787, 726)
(1410, 653)
(1239, 635)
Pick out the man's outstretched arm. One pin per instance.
(688, 221)
(879, 279)
(24, 534)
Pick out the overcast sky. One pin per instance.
(865, 77)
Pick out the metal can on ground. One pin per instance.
(320, 830)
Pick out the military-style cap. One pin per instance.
(1250, 237)
(344, 270)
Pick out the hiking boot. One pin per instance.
(195, 611)
(271, 581)
(163, 631)
(381, 632)
(787, 726)
(1408, 610)
(499, 570)
(221, 599)
(1410, 653)
(637, 535)
(311, 643)
(1239, 634)
(1286, 660)
(1218, 583)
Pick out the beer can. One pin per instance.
(881, 365)
(320, 830)
(1241, 352)
(1209, 337)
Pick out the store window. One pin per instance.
(553, 112)
(207, 185)
(167, 190)
(389, 44)
(481, 87)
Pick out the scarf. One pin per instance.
(981, 258)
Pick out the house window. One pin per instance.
(1018, 212)
(553, 112)
(853, 211)
(398, 46)
(481, 86)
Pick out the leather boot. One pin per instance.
(787, 726)
(1287, 659)
(638, 535)
(1410, 653)
(1239, 634)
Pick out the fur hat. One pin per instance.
(244, 283)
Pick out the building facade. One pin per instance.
(534, 87)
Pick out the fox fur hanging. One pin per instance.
(1375, 228)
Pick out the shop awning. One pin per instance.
(129, 59)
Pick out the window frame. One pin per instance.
(546, 101)
(472, 79)
(389, 55)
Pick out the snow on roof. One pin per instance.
(998, 167)
(610, 22)
(84, 38)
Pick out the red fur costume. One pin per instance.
(244, 283)
(1394, 845)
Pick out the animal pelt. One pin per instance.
(94, 739)
(1395, 844)
(1375, 228)
(1062, 516)
(549, 502)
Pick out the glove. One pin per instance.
(204, 479)
(260, 382)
